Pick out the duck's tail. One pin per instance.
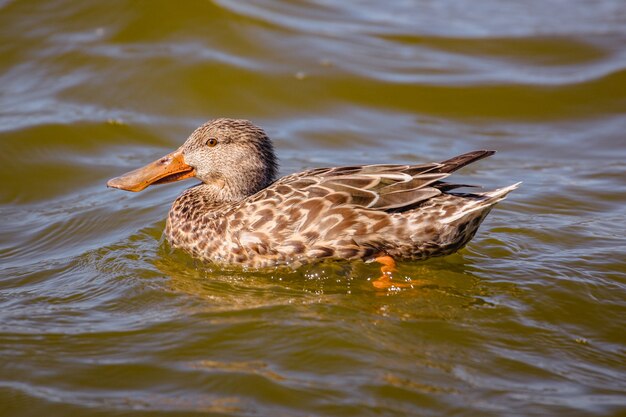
(482, 203)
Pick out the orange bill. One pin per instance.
(170, 168)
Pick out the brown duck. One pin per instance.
(239, 214)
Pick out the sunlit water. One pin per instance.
(99, 317)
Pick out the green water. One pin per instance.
(99, 318)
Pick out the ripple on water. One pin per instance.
(98, 316)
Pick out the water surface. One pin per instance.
(98, 317)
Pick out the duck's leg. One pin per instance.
(388, 266)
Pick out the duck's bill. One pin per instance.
(170, 168)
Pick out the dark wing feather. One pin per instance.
(460, 161)
(379, 187)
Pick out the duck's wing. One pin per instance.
(379, 187)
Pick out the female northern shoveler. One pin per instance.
(240, 215)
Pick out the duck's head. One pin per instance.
(234, 158)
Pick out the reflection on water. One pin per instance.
(99, 317)
(327, 283)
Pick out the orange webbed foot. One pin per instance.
(388, 266)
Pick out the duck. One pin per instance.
(240, 214)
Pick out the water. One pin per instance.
(98, 317)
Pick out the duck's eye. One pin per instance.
(211, 142)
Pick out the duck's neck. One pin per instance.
(195, 213)
(202, 200)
